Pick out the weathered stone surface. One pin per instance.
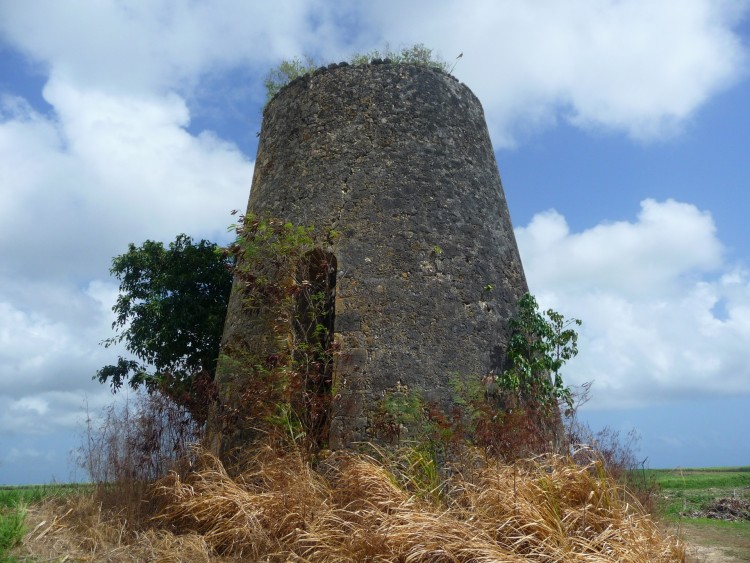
(397, 160)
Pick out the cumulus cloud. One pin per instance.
(636, 66)
(157, 45)
(665, 317)
(109, 169)
(51, 411)
(668, 240)
(52, 343)
(48, 354)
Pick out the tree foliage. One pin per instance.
(539, 346)
(170, 314)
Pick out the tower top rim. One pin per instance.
(382, 63)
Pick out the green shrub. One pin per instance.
(539, 346)
(288, 70)
(417, 54)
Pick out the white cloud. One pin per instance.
(109, 171)
(51, 412)
(669, 240)
(39, 352)
(637, 66)
(112, 163)
(145, 46)
(36, 405)
(664, 316)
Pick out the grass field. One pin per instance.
(13, 504)
(687, 492)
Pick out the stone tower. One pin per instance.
(397, 160)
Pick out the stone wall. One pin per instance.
(396, 162)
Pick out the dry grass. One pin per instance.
(352, 507)
(75, 528)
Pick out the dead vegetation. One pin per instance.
(354, 507)
(288, 503)
(727, 509)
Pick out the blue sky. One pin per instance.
(620, 127)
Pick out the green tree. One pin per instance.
(170, 314)
(539, 346)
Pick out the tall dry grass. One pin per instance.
(76, 528)
(393, 504)
(129, 445)
(353, 508)
(381, 506)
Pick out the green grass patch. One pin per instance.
(686, 479)
(12, 528)
(744, 469)
(685, 493)
(30, 494)
(13, 503)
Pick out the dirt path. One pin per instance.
(708, 545)
(704, 554)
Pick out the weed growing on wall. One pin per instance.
(285, 72)
(510, 416)
(416, 54)
(289, 69)
(399, 412)
(482, 419)
(287, 283)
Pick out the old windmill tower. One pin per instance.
(424, 271)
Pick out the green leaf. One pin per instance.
(539, 346)
(169, 313)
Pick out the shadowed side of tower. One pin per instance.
(397, 161)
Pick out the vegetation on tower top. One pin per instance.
(289, 69)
